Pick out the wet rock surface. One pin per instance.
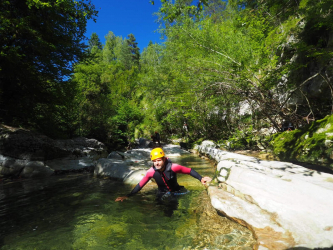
(284, 204)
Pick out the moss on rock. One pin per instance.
(311, 144)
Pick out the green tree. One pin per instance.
(209, 66)
(128, 117)
(39, 42)
(130, 53)
(94, 42)
(93, 98)
(104, 88)
(109, 53)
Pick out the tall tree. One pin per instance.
(94, 42)
(130, 52)
(109, 53)
(134, 49)
(39, 42)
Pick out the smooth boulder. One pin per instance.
(284, 204)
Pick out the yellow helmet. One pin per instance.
(156, 153)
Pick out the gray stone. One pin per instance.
(27, 145)
(11, 167)
(20, 146)
(115, 155)
(36, 169)
(112, 168)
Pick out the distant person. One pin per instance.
(185, 129)
(165, 174)
(157, 138)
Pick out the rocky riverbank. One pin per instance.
(27, 154)
(284, 204)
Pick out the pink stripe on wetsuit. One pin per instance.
(166, 180)
(175, 168)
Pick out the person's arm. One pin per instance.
(184, 170)
(139, 186)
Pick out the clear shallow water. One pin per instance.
(78, 211)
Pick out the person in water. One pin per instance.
(165, 174)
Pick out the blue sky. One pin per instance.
(125, 17)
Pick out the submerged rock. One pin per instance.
(284, 204)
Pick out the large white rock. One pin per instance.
(286, 205)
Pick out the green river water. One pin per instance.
(78, 211)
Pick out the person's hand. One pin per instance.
(121, 198)
(205, 180)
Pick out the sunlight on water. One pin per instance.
(79, 212)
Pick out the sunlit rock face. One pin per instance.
(286, 205)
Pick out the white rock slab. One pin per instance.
(270, 234)
(286, 205)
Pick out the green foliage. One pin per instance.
(39, 41)
(241, 140)
(226, 69)
(129, 53)
(111, 42)
(105, 91)
(123, 124)
(172, 11)
(94, 42)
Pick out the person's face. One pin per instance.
(158, 163)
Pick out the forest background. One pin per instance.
(227, 69)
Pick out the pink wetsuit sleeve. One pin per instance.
(147, 177)
(184, 170)
(180, 169)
